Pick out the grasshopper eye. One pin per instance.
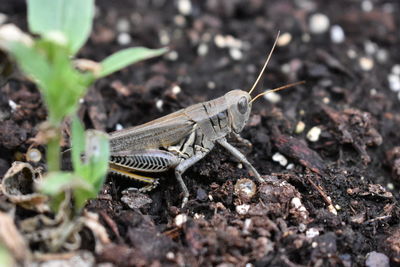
(242, 105)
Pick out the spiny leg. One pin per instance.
(183, 166)
(242, 140)
(151, 182)
(239, 156)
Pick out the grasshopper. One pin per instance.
(182, 138)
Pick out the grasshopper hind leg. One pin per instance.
(151, 183)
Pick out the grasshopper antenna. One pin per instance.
(277, 89)
(265, 64)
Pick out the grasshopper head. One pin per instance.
(239, 108)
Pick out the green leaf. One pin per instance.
(56, 183)
(97, 153)
(77, 143)
(73, 18)
(33, 63)
(126, 57)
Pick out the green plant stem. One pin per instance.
(53, 152)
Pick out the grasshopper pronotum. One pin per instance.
(182, 138)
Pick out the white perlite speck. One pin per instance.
(337, 34)
(311, 233)
(394, 82)
(319, 23)
(314, 133)
(185, 7)
(366, 63)
(202, 50)
(180, 219)
(284, 39)
(278, 157)
(159, 104)
(367, 6)
(123, 38)
(235, 54)
(300, 127)
(242, 209)
(272, 97)
(176, 90)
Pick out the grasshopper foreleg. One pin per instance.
(239, 156)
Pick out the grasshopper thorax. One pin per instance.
(239, 108)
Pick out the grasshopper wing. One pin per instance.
(161, 132)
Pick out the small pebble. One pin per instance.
(296, 202)
(281, 159)
(123, 38)
(273, 97)
(366, 63)
(373, 91)
(185, 7)
(337, 34)
(290, 166)
(367, 6)
(180, 219)
(242, 209)
(312, 232)
(245, 188)
(170, 255)
(300, 127)
(338, 207)
(119, 127)
(390, 186)
(202, 50)
(313, 134)
(376, 259)
(173, 55)
(159, 105)
(319, 23)
(326, 100)
(235, 54)
(81, 100)
(211, 85)
(284, 39)
(33, 155)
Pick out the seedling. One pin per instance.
(62, 28)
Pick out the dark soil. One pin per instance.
(353, 169)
